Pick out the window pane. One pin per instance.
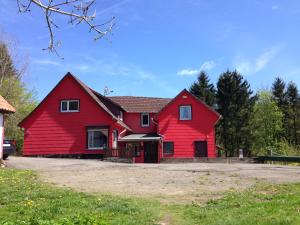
(145, 119)
(90, 139)
(64, 106)
(168, 147)
(185, 113)
(73, 105)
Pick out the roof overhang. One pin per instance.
(140, 137)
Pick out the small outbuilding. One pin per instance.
(5, 107)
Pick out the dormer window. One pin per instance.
(185, 112)
(145, 119)
(69, 105)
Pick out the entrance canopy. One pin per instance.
(5, 107)
(140, 137)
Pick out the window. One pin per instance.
(121, 115)
(97, 138)
(145, 119)
(185, 112)
(168, 147)
(69, 106)
(115, 139)
(134, 148)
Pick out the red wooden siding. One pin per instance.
(185, 133)
(48, 131)
(133, 120)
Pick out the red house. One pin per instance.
(74, 119)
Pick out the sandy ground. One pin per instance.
(171, 183)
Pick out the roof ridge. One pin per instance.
(135, 96)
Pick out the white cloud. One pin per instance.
(208, 65)
(46, 62)
(187, 72)
(257, 64)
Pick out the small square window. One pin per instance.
(145, 119)
(168, 147)
(185, 112)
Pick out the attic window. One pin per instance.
(185, 112)
(145, 119)
(69, 106)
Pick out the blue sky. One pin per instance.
(158, 47)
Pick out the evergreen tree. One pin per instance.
(278, 91)
(292, 96)
(279, 95)
(203, 89)
(235, 104)
(14, 91)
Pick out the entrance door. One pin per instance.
(200, 148)
(150, 152)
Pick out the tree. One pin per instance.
(278, 91)
(293, 103)
(14, 91)
(235, 104)
(203, 89)
(77, 12)
(266, 123)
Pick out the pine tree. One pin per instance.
(203, 89)
(235, 104)
(280, 97)
(278, 91)
(293, 101)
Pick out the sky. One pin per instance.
(157, 47)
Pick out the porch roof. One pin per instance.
(140, 137)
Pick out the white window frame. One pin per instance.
(115, 139)
(121, 115)
(180, 115)
(68, 106)
(88, 139)
(142, 121)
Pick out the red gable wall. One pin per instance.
(184, 132)
(48, 131)
(133, 120)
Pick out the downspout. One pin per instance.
(123, 131)
(162, 138)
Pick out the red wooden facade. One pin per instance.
(116, 124)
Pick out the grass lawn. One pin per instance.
(25, 200)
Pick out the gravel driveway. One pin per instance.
(182, 182)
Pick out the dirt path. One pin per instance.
(170, 183)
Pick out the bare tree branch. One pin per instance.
(77, 11)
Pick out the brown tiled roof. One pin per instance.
(140, 104)
(5, 106)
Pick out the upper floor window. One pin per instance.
(185, 112)
(145, 119)
(69, 106)
(121, 115)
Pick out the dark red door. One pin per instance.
(200, 148)
(150, 152)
